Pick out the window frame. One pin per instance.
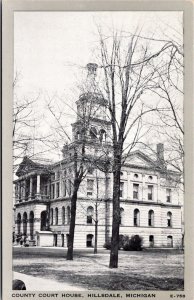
(90, 189)
(136, 192)
(168, 200)
(136, 217)
(169, 219)
(150, 195)
(151, 218)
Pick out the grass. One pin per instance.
(137, 270)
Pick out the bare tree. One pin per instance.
(127, 75)
(170, 89)
(23, 123)
(79, 146)
(26, 136)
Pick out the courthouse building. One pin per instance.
(150, 198)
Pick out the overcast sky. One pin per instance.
(51, 47)
(46, 42)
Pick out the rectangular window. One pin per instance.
(57, 190)
(89, 219)
(90, 187)
(121, 189)
(150, 192)
(46, 190)
(135, 191)
(168, 195)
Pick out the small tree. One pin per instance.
(79, 147)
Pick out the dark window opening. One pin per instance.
(89, 240)
(136, 218)
(168, 195)
(135, 191)
(150, 192)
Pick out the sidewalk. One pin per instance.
(39, 284)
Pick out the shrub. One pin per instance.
(121, 241)
(107, 245)
(133, 244)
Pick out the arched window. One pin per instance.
(90, 212)
(89, 240)
(19, 222)
(51, 216)
(56, 216)
(102, 135)
(43, 223)
(151, 218)
(68, 214)
(31, 221)
(63, 215)
(121, 220)
(25, 223)
(169, 219)
(136, 217)
(151, 240)
(170, 241)
(93, 133)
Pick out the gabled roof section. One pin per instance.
(27, 166)
(139, 159)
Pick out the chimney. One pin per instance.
(160, 154)
(92, 68)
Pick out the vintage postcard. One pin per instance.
(97, 140)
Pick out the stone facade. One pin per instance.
(150, 198)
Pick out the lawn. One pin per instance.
(149, 270)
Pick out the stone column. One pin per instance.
(55, 192)
(143, 188)
(61, 186)
(128, 186)
(16, 193)
(28, 226)
(37, 218)
(38, 184)
(31, 183)
(24, 192)
(158, 189)
(19, 191)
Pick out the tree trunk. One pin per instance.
(116, 219)
(96, 230)
(72, 221)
